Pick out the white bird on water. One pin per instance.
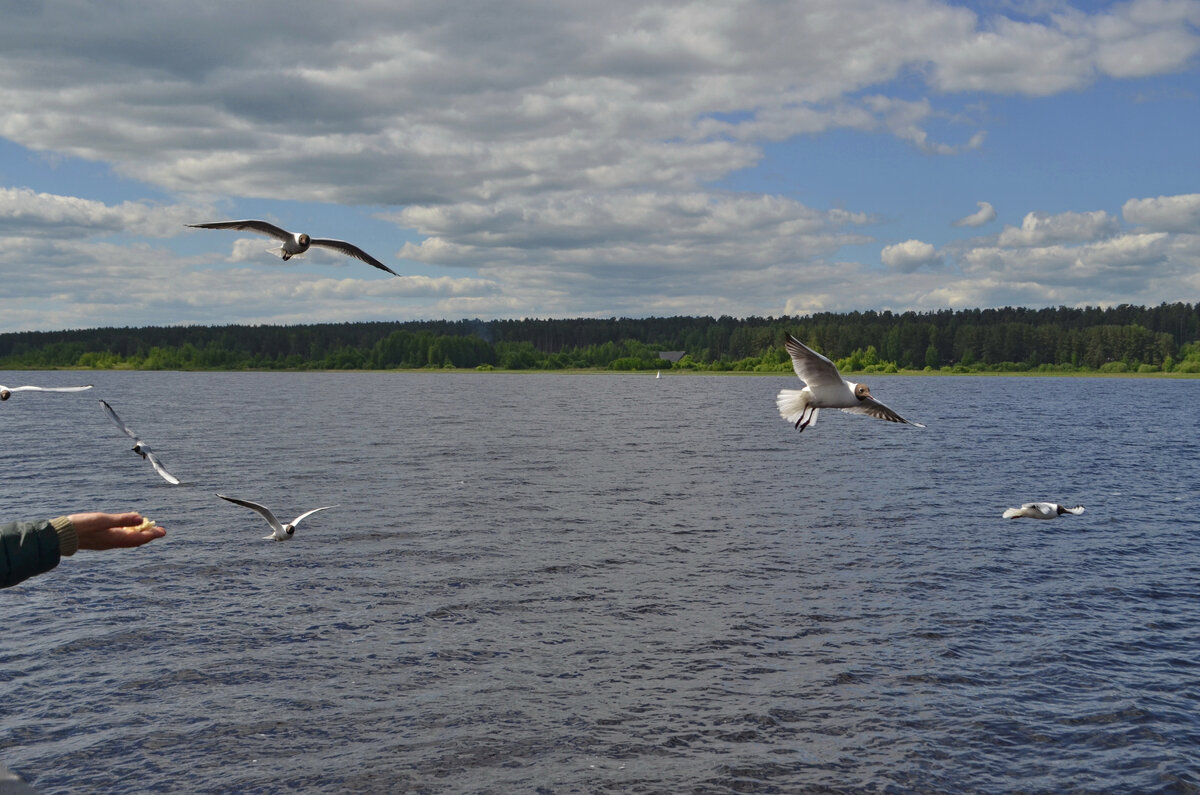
(281, 532)
(296, 244)
(825, 389)
(140, 447)
(1041, 510)
(6, 391)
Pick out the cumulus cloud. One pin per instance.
(1068, 50)
(651, 232)
(422, 103)
(26, 212)
(1041, 229)
(81, 284)
(907, 120)
(1129, 256)
(906, 257)
(1166, 213)
(551, 153)
(985, 214)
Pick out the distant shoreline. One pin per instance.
(647, 373)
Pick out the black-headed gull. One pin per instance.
(826, 389)
(295, 244)
(140, 447)
(281, 532)
(6, 391)
(1041, 510)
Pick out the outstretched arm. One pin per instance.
(33, 547)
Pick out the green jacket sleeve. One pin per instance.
(29, 548)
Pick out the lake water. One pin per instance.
(608, 583)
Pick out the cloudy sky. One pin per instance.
(539, 158)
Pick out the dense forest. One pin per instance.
(1165, 338)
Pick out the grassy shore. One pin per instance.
(667, 373)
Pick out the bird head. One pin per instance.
(303, 238)
(289, 529)
(5, 394)
(862, 391)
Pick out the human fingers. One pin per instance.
(115, 537)
(95, 520)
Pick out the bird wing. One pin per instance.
(812, 368)
(251, 225)
(158, 467)
(113, 415)
(296, 521)
(254, 506)
(873, 408)
(351, 250)
(49, 388)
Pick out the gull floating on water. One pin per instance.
(1041, 510)
(140, 447)
(282, 532)
(296, 244)
(825, 389)
(6, 391)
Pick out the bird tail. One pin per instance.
(794, 407)
(280, 252)
(1012, 513)
(1078, 509)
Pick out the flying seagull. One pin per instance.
(296, 244)
(825, 389)
(140, 447)
(282, 532)
(1041, 510)
(6, 391)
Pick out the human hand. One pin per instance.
(112, 530)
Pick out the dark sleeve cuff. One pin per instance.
(68, 540)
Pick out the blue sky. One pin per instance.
(535, 159)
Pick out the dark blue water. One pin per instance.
(608, 583)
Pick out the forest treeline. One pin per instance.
(1164, 338)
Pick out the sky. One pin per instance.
(540, 158)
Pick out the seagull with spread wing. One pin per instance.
(6, 391)
(825, 389)
(280, 532)
(296, 244)
(140, 447)
(1041, 510)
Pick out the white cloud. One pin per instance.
(27, 212)
(1132, 267)
(658, 234)
(1071, 49)
(89, 283)
(906, 257)
(424, 103)
(1166, 213)
(562, 157)
(906, 119)
(985, 214)
(1041, 229)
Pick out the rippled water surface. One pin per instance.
(607, 583)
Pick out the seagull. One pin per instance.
(282, 532)
(6, 391)
(296, 244)
(140, 447)
(1041, 510)
(825, 389)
